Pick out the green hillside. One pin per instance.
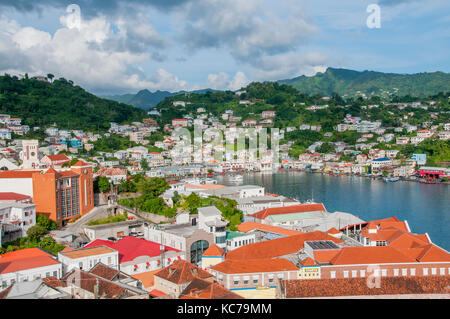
(69, 106)
(348, 82)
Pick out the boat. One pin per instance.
(236, 178)
(391, 179)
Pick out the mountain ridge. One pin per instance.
(349, 82)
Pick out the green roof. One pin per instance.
(233, 234)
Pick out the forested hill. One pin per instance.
(146, 100)
(69, 106)
(349, 82)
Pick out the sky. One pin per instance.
(118, 46)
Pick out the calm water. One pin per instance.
(425, 207)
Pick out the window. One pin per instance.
(425, 271)
(354, 273)
(236, 281)
(4, 284)
(332, 274)
(395, 272)
(376, 272)
(47, 274)
(442, 271)
(55, 274)
(345, 274)
(433, 271)
(384, 272)
(255, 280)
(109, 260)
(362, 273)
(412, 271)
(404, 272)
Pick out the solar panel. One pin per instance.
(328, 244)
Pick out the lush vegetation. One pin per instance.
(108, 220)
(36, 237)
(150, 189)
(40, 103)
(344, 81)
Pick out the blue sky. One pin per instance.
(124, 46)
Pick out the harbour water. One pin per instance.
(426, 207)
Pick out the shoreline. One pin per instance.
(373, 177)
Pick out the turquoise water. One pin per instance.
(426, 207)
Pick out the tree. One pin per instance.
(45, 222)
(176, 197)
(103, 184)
(36, 232)
(152, 187)
(144, 164)
(50, 76)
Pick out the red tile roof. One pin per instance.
(300, 208)
(432, 253)
(203, 289)
(277, 247)
(24, 259)
(58, 157)
(333, 231)
(370, 255)
(130, 247)
(299, 288)
(213, 250)
(249, 226)
(308, 262)
(181, 272)
(254, 266)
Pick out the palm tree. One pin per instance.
(50, 76)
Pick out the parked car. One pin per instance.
(139, 233)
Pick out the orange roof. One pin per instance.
(213, 250)
(181, 272)
(325, 256)
(308, 262)
(18, 174)
(300, 208)
(333, 231)
(253, 266)
(432, 253)
(277, 247)
(249, 226)
(157, 293)
(86, 252)
(80, 163)
(147, 278)
(58, 157)
(25, 259)
(370, 255)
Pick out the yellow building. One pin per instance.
(212, 256)
(309, 269)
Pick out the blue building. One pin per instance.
(421, 159)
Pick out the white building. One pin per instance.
(27, 265)
(86, 258)
(20, 214)
(210, 220)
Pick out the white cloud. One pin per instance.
(93, 56)
(221, 81)
(290, 65)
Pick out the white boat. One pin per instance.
(236, 178)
